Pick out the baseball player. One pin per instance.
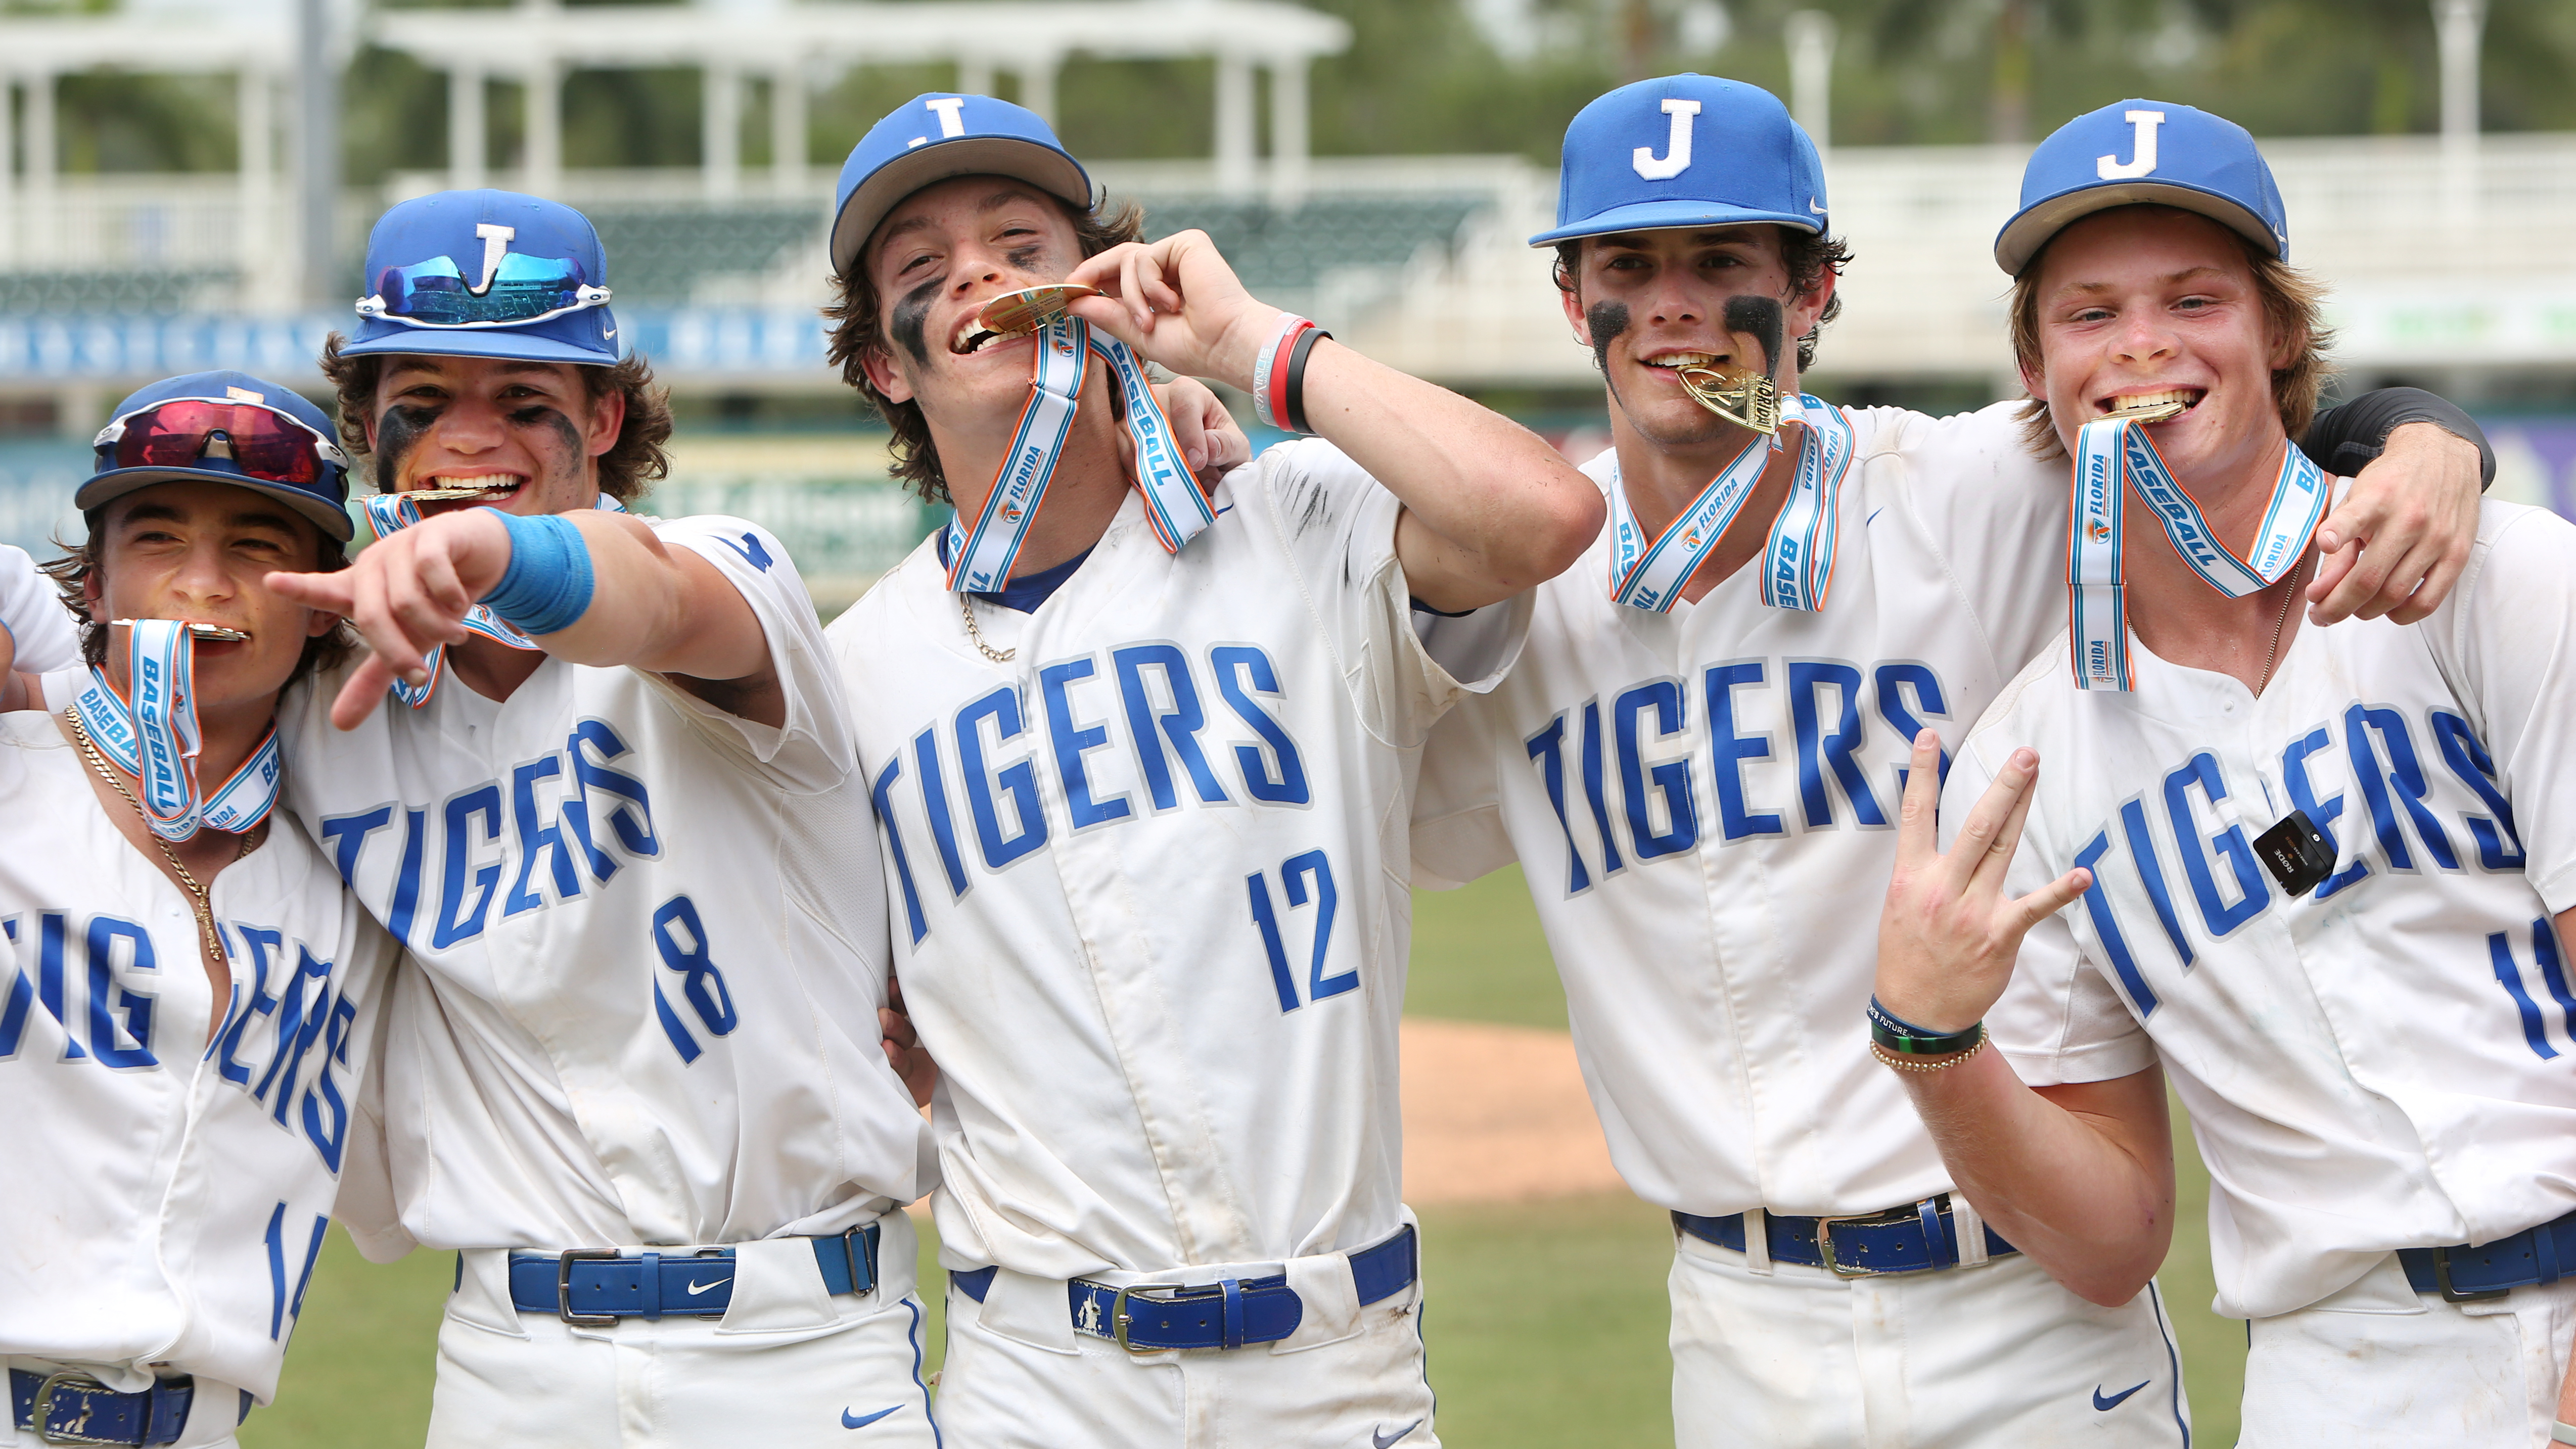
(189, 1001)
(596, 777)
(1141, 764)
(2323, 882)
(1697, 759)
(38, 627)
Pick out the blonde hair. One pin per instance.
(2293, 306)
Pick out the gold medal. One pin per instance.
(1031, 308)
(2146, 412)
(449, 495)
(1746, 399)
(212, 633)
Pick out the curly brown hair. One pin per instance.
(1808, 256)
(858, 329)
(626, 471)
(86, 560)
(2293, 306)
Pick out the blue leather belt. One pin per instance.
(1916, 1238)
(1226, 1314)
(595, 1287)
(78, 1409)
(2462, 1274)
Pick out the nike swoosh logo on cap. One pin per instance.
(1811, 206)
(850, 1422)
(2115, 1400)
(1382, 1440)
(696, 1287)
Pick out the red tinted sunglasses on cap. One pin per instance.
(263, 442)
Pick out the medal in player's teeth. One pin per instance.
(1797, 563)
(979, 561)
(446, 495)
(154, 736)
(212, 633)
(2151, 409)
(1746, 399)
(2114, 455)
(390, 513)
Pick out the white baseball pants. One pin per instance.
(2379, 1364)
(787, 1364)
(1991, 1357)
(1018, 1376)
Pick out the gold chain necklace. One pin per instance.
(2272, 656)
(966, 606)
(200, 901)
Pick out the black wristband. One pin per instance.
(1294, 392)
(2349, 437)
(1906, 1039)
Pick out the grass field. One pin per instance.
(1545, 1321)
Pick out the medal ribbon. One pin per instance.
(390, 513)
(1797, 562)
(2113, 457)
(980, 560)
(155, 738)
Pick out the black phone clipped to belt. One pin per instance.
(2297, 853)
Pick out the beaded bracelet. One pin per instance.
(1895, 1033)
(1905, 1064)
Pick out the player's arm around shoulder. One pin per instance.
(1490, 509)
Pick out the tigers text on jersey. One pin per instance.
(1151, 874)
(31, 609)
(1704, 802)
(652, 941)
(172, 1158)
(2383, 1061)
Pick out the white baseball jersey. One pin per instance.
(1152, 912)
(31, 609)
(172, 1158)
(2381, 1062)
(651, 936)
(1704, 802)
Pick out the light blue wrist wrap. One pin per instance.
(546, 588)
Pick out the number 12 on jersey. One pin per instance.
(1296, 873)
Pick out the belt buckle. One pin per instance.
(1825, 1238)
(852, 1242)
(44, 1412)
(563, 1287)
(2442, 1278)
(1120, 1321)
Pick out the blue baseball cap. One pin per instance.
(931, 138)
(1685, 150)
(2134, 152)
(487, 274)
(183, 451)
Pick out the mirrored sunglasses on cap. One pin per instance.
(261, 441)
(435, 293)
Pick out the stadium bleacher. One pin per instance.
(1290, 250)
(113, 293)
(658, 253)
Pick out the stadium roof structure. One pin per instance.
(792, 45)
